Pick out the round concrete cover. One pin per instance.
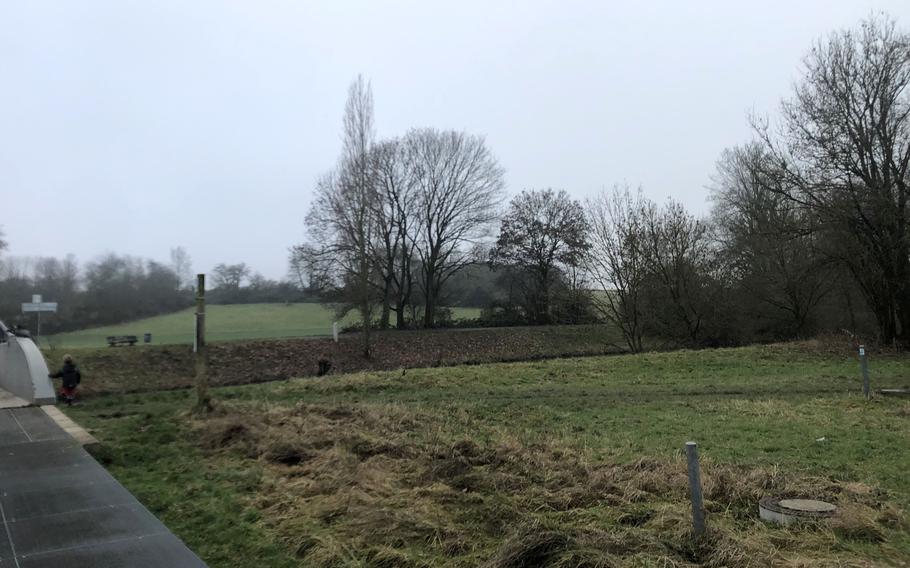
(807, 505)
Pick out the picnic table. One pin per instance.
(115, 340)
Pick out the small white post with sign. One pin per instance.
(867, 392)
(37, 306)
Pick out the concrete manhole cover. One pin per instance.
(787, 511)
(807, 505)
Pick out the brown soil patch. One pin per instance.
(233, 363)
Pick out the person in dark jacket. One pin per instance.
(71, 379)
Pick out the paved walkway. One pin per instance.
(60, 509)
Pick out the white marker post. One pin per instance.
(867, 392)
(335, 331)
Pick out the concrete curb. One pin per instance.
(67, 424)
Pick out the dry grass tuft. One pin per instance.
(532, 545)
(858, 523)
(382, 486)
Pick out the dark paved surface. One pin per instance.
(60, 509)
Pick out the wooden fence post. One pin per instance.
(203, 401)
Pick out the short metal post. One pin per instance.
(698, 510)
(867, 392)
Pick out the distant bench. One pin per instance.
(115, 340)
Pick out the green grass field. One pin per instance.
(224, 323)
(568, 462)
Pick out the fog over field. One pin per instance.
(138, 127)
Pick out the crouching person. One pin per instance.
(71, 379)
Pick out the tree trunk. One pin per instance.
(903, 316)
(400, 322)
(850, 310)
(543, 316)
(385, 315)
(883, 308)
(366, 311)
(902, 300)
(429, 311)
(365, 316)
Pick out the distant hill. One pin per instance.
(224, 323)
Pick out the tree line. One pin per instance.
(111, 289)
(119, 288)
(808, 229)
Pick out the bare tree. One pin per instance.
(342, 222)
(298, 266)
(182, 265)
(230, 276)
(844, 153)
(678, 252)
(17, 268)
(616, 259)
(357, 181)
(459, 186)
(768, 239)
(57, 278)
(544, 235)
(395, 210)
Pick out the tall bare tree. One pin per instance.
(342, 222)
(844, 153)
(544, 236)
(616, 260)
(458, 186)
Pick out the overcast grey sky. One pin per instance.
(137, 126)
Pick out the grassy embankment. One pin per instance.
(569, 462)
(224, 323)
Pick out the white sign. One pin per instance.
(862, 351)
(39, 307)
(36, 298)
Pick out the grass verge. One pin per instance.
(571, 462)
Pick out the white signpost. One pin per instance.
(37, 306)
